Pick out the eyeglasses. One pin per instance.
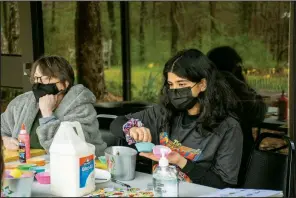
(42, 79)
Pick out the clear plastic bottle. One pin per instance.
(165, 179)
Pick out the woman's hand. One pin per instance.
(10, 143)
(47, 104)
(140, 134)
(173, 158)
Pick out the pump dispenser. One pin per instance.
(163, 162)
(165, 179)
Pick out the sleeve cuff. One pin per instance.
(45, 120)
(188, 167)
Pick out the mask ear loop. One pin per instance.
(193, 85)
(63, 91)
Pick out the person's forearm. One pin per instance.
(204, 176)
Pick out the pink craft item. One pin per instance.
(7, 174)
(157, 152)
(43, 177)
(28, 174)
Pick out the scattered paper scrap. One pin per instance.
(120, 192)
(233, 192)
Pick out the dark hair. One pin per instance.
(225, 58)
(54, 66)
(217, 101)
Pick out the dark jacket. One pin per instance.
(252, 113)
(221, 149)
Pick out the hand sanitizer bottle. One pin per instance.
(165, 179)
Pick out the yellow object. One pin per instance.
(100, 165)
(38, 162)
(16, 173)
(10, 166)
(10, 156)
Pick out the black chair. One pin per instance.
(270, 170)
(107, 112)
(104, 123)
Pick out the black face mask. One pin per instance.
(41, 90)
(182, 98)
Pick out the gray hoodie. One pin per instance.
(77, 105)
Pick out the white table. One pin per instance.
(141, 181)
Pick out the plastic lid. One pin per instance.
(23, 129)
(163, 160)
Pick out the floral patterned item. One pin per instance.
(120, 192)
(127, 126)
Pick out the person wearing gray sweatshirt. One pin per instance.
(54, 98)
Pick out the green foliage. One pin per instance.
(194, 29)
(273, 84)
(148, 91)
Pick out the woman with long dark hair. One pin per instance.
(195, 118)
(252, 105)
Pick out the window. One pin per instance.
(259, 31)
(10, 28)
(59, 38)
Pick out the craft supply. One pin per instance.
(120, 192)
(22, 152)
(102, 159)
(71, 162)
(43, 178)
(100, 165)
(10, 156)
(27, 174)
(10, 166)
(16, 173)
(237, 192)
(121, 183)
(37, 169)
(101, 179)
(145, 147)
(26, 167)
(122, 166)
(17, 187)
(102, 176)
(37, 161)
(24, 144)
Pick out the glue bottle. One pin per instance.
(165, 178)
(24, 144)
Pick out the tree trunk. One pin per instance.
(111, 15)
(246, 12)
(5, 19)
(278, 33)
(89, 60)
(53, 16)
(4, 33)
(212, 6)
(154, 22)
(13, 29)
(174, 28)
(141, 32)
